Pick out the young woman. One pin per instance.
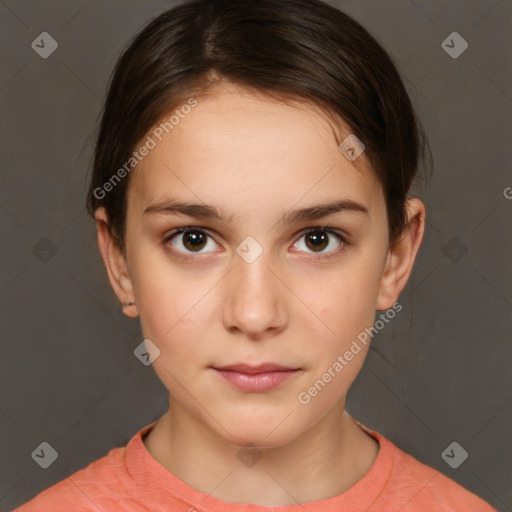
(250, 189)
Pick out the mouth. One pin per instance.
(256, 378)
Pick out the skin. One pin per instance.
(254, 157)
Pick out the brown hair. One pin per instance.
(303, 49)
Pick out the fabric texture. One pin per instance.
(128, 479)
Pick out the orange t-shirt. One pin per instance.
(128, 479)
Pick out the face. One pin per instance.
(256, 285)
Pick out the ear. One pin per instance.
(401, 256)
(115, 263)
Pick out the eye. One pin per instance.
(319, 238)
(193, 240)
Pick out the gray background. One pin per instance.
(439, 372)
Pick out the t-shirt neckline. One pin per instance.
(153, 479)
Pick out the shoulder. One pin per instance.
(98, 486)
(418, 487)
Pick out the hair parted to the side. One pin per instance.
(290, 49)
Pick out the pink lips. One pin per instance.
(256, 378)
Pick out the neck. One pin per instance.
(323, 462)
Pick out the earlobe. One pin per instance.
(115, 264)
(401, 257)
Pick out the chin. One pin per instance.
(259, 440)
(263, 434)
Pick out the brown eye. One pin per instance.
(318, 239)
(192, 240)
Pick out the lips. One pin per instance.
(251, 370)
(256, 379)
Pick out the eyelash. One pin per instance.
(326, 228)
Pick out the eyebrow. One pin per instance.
(205, 211)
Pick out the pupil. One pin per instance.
(194, 239)
(317, 240)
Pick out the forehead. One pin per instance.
(253, 150)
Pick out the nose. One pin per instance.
(255, 299)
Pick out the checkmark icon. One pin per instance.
(146, 352)
(351, 147)
(454, 249)
(44, 249)
(454, 455)
(454, 45)
(249, 249)
(45, 455)
(249, 455)
(44, 45)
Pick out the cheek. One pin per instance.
(172, 305)
(175, 315)
(344, 302)
(177, 322)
